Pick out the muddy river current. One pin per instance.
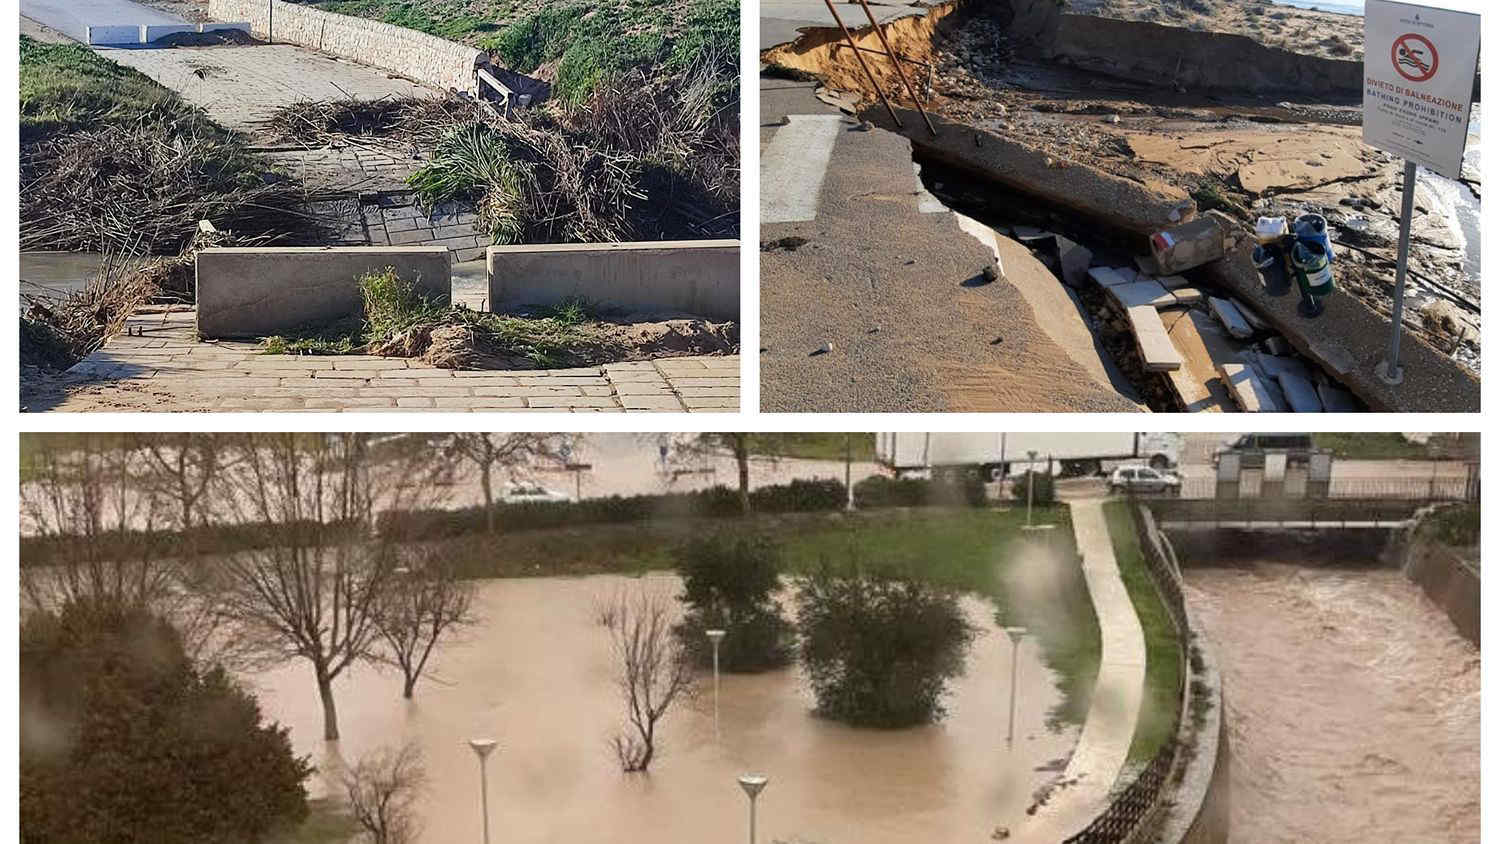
(537, 676)
(1353, 705)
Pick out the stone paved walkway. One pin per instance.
(160, 366)
(1105, 741)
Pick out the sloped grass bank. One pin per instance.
(1162, 696)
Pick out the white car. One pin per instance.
(1144, 479)
(518, 491)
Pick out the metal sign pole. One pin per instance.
(1389, 370)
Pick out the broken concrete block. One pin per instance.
(1172, 282)
(1142, 293)
(1231, 317)
(1246, 388)
(1300, 393)
(1274, 365)
(1189, 245)
(1336, 399)
(1107, 277)
(1157, 352)
(1250, 316)
(1187, 295)
(1073, 260)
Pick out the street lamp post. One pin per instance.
(1030, 486)
(482, 748)
(1015, 634)
(752, 784)
(716, 636)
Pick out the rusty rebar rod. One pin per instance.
(848, 36)
(911, 91)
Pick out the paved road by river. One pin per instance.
(1353, 705)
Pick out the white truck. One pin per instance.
(997, 455)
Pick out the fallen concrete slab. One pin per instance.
(1350, 340)
(698, 277)
(1198, 384)
(1246, 388)
(1107, 276)
(1300, 393)
(1231, 317)
(1157, 352)
(260, 291)
(1073, 260)
(1142, 293)
(1097, 196)
(1188, 295)
(1336, 400)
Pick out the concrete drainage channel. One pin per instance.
(1195, 355)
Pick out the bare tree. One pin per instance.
(93, 526)
(428, 601)
(314, 584)
(181, 467)
(383, 790)
(512, 451)
(654, 671)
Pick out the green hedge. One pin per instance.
(204, 539)
(795, 497)
(881, 491)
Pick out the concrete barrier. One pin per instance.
(151, 32)
(415, 55)
(255, 292)
(699, 277)
(112, 36)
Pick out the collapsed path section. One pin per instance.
(1105, 741)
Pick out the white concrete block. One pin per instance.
(1246, 388)
(108, 36)
(1300, 393)
(1107, 277)
(1157, 351)
(1142, 293)
(1231, 317)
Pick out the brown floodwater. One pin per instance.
(537, 676)
(1353, 705)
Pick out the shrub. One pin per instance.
(729, 583)
(880, 648)
(124, 739)
(1045, 493)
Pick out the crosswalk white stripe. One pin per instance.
(792, 167)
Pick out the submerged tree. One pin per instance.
(427, 602)
(383, 789)
(654, 672)
(729, 583)
(879, 647)
(318, 574)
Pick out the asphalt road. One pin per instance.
(73, 17)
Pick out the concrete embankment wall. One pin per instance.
(1149, 52)
(698, 277)
(1448, 580)
(415, 55)
(256, 292)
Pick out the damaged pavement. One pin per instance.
(1101, 162)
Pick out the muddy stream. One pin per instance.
(1353, 705)
(537, 676)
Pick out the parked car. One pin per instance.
(1253, 448)
(1144, 479)
(517, 491)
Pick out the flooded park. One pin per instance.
(1353, 704)
(537, 675)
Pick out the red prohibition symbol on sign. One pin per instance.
(1414, 57)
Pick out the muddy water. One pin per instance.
(537, 676)
(1353, 706)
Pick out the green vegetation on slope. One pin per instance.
(1371, 446)
(68, 86)
(1163, 692)
(814, 446)
(588, 42)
